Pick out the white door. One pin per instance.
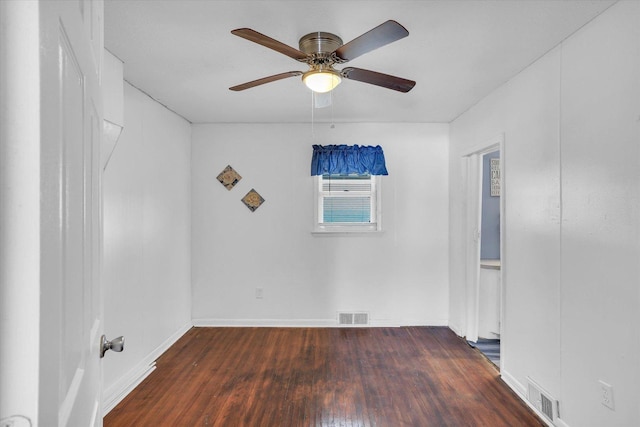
(71, 48)
(472, 241)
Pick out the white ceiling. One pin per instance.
(183, 55)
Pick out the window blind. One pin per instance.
(347, 199)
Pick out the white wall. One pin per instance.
(572, 240)
(600, 152)
(526, 111)
(399, 276)
(147, 226)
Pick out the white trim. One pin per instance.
(473, 197)
(472, 163)
(456, 329)
(503, 248)
(125, 385)
(407, 323)
(514, 384)
(132, 379)
(521, 392)
(312, 323)
(20, 202)
(321, 230)
(293, 323)
(488, 146)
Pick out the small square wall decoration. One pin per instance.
(253, 200)
(229, 177)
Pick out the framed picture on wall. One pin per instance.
(229, 177)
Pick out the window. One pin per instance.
(347, 203)
(347, 188)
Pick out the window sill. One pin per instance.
(351, 229)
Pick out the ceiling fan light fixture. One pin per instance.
(321, 50)
(321, 81)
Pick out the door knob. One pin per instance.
(116, 344)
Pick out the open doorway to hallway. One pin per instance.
(488, 341)
(484, 249)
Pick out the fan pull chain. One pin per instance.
(333, 124)
(314, 106)
(313, 132)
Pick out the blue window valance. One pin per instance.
(348, 159)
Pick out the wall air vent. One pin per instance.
(542, 401)
(353, 318)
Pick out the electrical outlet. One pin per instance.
(606, 394)
(259, 293)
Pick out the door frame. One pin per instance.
(472, 191)
(19, 211)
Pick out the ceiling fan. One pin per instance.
(321, 51)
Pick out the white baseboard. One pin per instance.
(115, 394)
(291, 323)
(121, 388)
(392, 323)
(456, 330)
(521, 391)
(307, 323)
(514, 384)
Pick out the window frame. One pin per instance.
(374, 226)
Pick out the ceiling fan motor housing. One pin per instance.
(320, 45)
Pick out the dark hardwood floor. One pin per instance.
(290, 377)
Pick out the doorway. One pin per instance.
(484, 248)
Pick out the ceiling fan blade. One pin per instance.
(381, 35)
(256, 37)
(378, 79)
(264, 80)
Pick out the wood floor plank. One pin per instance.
(299, 377)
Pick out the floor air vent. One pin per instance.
(353, 318)
(542, 401)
